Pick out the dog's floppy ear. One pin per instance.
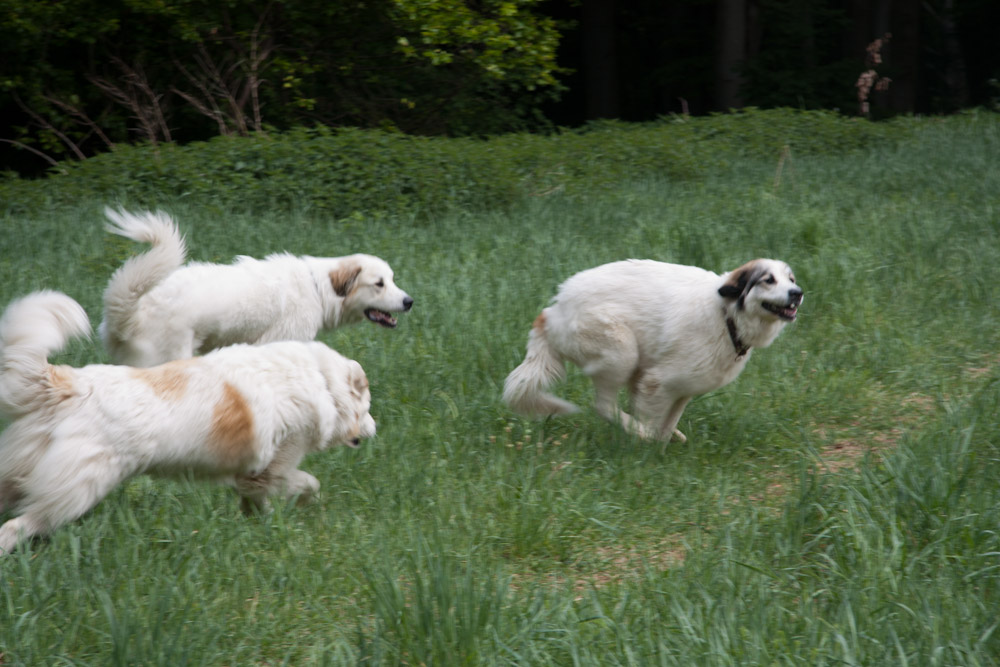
(359, 381)
(741, 281)
(731, 289)
(342, 278)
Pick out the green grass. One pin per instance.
(837, 504)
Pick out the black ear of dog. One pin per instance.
(730, 291)
(741, 281)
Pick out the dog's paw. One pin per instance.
(302, 486)
(254, 506)
(678, 436)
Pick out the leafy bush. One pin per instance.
(348, 171)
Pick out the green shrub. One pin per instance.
(347, 171)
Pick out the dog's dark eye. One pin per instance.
(792, 278)
(770, 280)
(380, 283)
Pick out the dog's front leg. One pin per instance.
(300, 484)
(658, 408)
(253, 490)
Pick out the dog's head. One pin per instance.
(347, 385)
(365, 286)
(362, 424)
(763, 287)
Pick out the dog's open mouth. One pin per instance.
(381, 317)
(786, 311)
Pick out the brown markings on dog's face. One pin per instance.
(232, 427)
(539, 322)
(168, 381)
(355, 432)
(61, 382)
(742, 279)
(344, 277)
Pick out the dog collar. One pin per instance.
(741, 347)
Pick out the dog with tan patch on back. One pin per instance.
(243, 415)
(158, 309)
(665, 332)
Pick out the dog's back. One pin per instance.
(646, 296)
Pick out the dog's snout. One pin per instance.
(407, 303)
(795, 295)
(355, 441)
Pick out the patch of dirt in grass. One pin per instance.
(619, 562)
(611, 564)
(867, 435)
(988, 364)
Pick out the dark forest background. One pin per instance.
(82, 76)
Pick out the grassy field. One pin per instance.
(837, 504)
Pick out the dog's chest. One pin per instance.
(692, 370)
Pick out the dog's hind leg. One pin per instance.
(18, 529)
(607, 382)
(60, 489)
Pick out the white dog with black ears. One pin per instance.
(666, 332)
(158, 309)
(244, 415)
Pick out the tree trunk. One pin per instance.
(955, 80)
(731, 49)
(904, 56)
(600, 64)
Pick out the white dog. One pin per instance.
(666, 332)
(245, 415)
(157, 309)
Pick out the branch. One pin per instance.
(82, 117)
(208, 107)
(37, 152)
(136, 88)
(44, 124)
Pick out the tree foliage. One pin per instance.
(83, 75)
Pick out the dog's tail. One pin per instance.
(31, 329)
(524, 389)
(138, 274)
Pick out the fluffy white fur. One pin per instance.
(244, 415)
(660, 330)
(158, 309)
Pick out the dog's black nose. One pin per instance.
(795, 294)
(407, 303)
(355, 441)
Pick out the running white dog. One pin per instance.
(245, 415)
(157, 309)
(666, 332)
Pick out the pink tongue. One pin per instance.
(379, 317)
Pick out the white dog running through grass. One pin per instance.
(244, 415)
(157, 309)
(666, 332)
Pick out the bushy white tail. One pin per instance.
(524, 389)
(31, 329)
(139, 274)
